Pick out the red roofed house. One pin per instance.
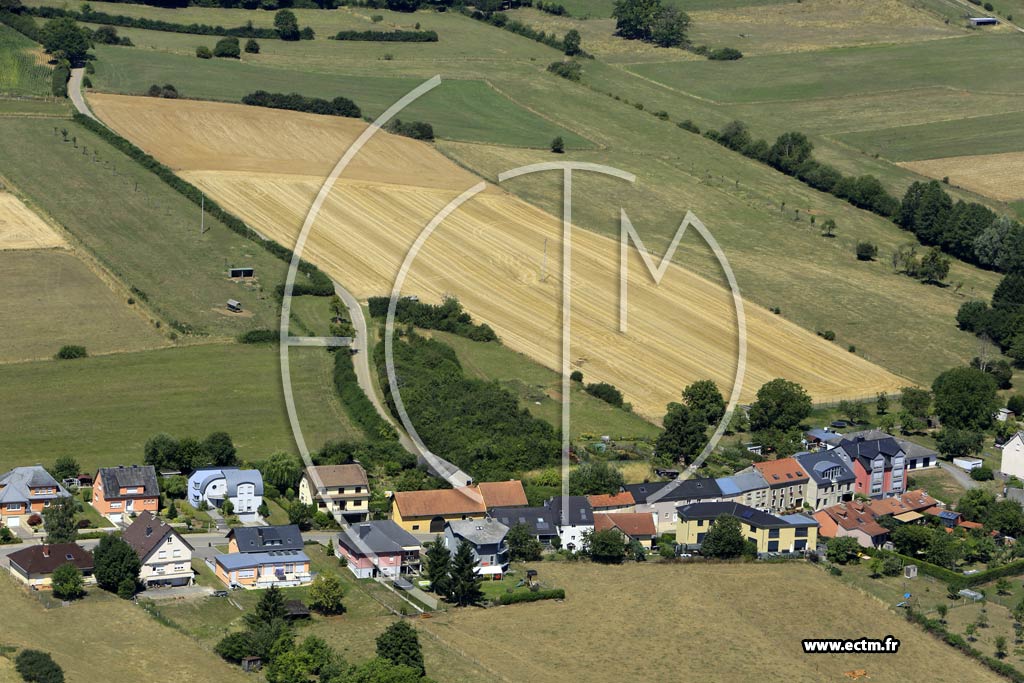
(853, 519)
(638, 526)
(427, 512)
(622, 501)
(787, 484)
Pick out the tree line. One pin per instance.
(388, 36)
(449, 316)
(339, 106)
(1001, 321)
(477, 425)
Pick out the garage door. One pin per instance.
(14, 521)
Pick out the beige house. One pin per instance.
(166, 557)
(34, 565)
(341, 491)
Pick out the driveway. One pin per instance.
(959, 475)
(176, 593)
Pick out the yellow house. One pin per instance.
(772, 534)
(426, 512)
(341, 491)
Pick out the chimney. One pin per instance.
(46, 550)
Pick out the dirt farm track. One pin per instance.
(267, 165)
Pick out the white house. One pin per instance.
(213, 486)
(1013, 456)
(166, 557)
(578, 521)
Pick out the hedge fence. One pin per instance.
(532, 596)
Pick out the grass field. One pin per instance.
(488, 254)
(23, 69)
(87, 653)
(103, 409)
(539, 390)
(141, 230)
(53, 298)
(670, 609)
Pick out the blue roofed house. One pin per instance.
(663, 497)
(25, 491)
(379, 548)
(264, 556)
(747, 488)
(215, 485)
(831, 478)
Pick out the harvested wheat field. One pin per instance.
(1000, 176)
(710, 623)
(488, 254)
(21, 228)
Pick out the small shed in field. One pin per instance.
(234, 306)
(983, 21)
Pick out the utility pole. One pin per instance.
(544, 262)
(202, 214)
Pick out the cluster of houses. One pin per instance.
(839, 486)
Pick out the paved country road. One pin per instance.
(75, 93)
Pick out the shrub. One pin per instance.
(227, 47)
(259, 337)
(388, 36)
(866, 251)
(725, 54)
(558, 145)
(34, 520)
(569, 70)
(252, 47)
(35, 666)
(71, 351)
(59, 80)
(982, 474)
(606, 392)
(86, 82)
(690, 126)
(576, 376)
(204, 52)
(417, 130)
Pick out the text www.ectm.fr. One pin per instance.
(834, 645)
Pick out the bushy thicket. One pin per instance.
(22, 23)
(532, 596)
(1003, 321)
(318, 283)
(357, 405)
(259, 337)
(388, 455)
(447, 317)
(388, 36)
(417, 130)
(59, 80)
(339, 106)
(477, 425)
(519, 28)
(568, 70)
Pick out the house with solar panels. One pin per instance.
(541, 521)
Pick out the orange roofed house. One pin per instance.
(636, 526)
(25, 491)
(622, 501)
(125, 490)
(853, 518)
(426, 512)
(787, 484)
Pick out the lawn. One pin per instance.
(53, 298)
(539, 390)
(141, 230)
(662, 607)
(78, 639)
(23, 70)
(101, 410)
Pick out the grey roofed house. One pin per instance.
(147, 532)
(15, 485)
(741, 482)
(680, 489)
(235, 476)
(542, 521)
(142, 477)
(260, 539)
(379, 536)
(826, 467)
(479, 532)
(233, 561)
(579, 514)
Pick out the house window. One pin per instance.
(176, 553)
(800, 545)
(773, 533)
(161, 555)
(801, 532)
(415, 527)
(246, 573)
(773, 546)
(115, 505)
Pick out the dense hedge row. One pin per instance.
(259, 337)
(938, 629)
(339, 106)
(59, 80)
(356, 403)
(22, 23)
(417, 130)
(478, 426)
(319, 283)
(388, 36)
(92, 17)
(520, 29)
(533, 596)
(447, 317)
(958, 580)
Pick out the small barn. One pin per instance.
(234, 306)
(983, 21)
